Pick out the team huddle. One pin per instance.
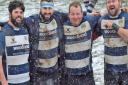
(54, 48)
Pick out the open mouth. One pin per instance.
(112, 8)
(47, 16)
(18, 19)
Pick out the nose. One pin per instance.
(47, 10)
(19, 13)
(75, 16)
(111, 3)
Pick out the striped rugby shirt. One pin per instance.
(14, 44)
(78, 44)
(116, 49)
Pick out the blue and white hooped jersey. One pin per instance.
(116, 49)
(78, 48)
(48, 47)
(16, 49)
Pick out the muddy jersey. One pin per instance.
(78, 45)
(116, 49)
(48, 46)
(14, 47)
(45, 39)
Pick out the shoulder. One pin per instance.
(124, 14)
(67, 22)
(91, 18)
(32, 17)
(105, 17)
(56, 15)
(6, 26)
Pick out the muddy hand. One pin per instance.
(125, 9)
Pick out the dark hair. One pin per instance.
(14, 4)
(75, 4)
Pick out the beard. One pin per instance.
(46, 16)
(15, 23)
(113, 12)
(46, 19)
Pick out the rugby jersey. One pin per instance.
(78, 45)
(14, 47)
(116, 49)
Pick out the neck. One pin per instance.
(14, 27)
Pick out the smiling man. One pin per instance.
(45, 30)
(114, 28)
(14, 48)
(78, 30)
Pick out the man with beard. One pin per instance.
(14, 48)
(47, 45)
(114, 28)
(46, 31)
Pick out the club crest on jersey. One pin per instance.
(68, 30)
(13, 40)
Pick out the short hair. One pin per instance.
(14, 4)
(75, 4)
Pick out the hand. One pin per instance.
(125, 9)
(4, 82)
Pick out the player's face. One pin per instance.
(47, 12)
(75, 15)
(17, 16)
(113, 7)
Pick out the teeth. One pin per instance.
(18, 18)
(112, 7)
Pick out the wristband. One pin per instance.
(115, 26)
